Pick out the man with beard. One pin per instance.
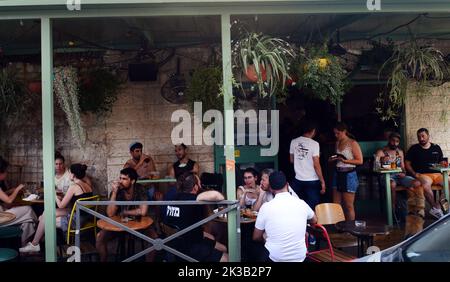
(392, 153)
(125, 189)
(143, 164)
(184, 163)
(419, 160)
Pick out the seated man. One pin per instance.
(266, 195)
(392, 152)
(142, 164)
(62, 174)
(284, 221)
(184, 163)
(419, 159)
(195, 243)
(125, 189)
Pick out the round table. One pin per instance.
(6, 217)
(144, 223)
(363, 234)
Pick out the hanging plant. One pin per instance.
(98, 91)
(66, 90)
(205, 86)
(322, 73)
(420, 64)
(265, 60)
(14, 103)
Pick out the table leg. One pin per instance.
(388, 199)
(446, 192)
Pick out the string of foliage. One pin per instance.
(66, 90)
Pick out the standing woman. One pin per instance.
(78, 189)
(345, 180)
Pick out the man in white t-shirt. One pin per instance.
(304, 154)
(284, 221)
(62, 174)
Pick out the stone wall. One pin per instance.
(139, 114)
(431, 112)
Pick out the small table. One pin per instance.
(363, 234)
(244, 220)
(387, 177)
(444, 171)
(144, 223)
(6, 217)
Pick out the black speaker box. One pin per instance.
(143, 72)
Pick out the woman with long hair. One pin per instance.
(78, 189)
(345, 181)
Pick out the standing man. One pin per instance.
(184, 163)
(284, 221)
(304, 154)
(419, 159)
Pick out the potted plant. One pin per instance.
(205, 85)
(322, 73)
(410, 62)
(264, 60)
(98, 91)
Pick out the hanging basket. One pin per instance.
(35, 87)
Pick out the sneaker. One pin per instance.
(437, 213)
(30, 248)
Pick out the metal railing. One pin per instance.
(158, 243)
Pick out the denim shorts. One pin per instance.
(352, 182)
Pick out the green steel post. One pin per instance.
(48, 140)
(446, 192)
(233, 229)
(388, 198)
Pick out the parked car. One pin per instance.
(430, 245)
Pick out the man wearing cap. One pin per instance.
(143, 164)
(392, 153)
(283, 220)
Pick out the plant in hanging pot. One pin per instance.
(321, 73)
(205, 86)
(98, 91)
(35, 87)
(422, 66)
(265, 60)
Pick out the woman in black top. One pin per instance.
(78, 189)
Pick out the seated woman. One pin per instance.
(78, 189)
(249, 193)
(25, 216)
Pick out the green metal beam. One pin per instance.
(233, 229)
(216, 8)
(48, 140)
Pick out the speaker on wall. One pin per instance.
(143, 72)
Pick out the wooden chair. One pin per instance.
(330, 214)
(329, 254)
